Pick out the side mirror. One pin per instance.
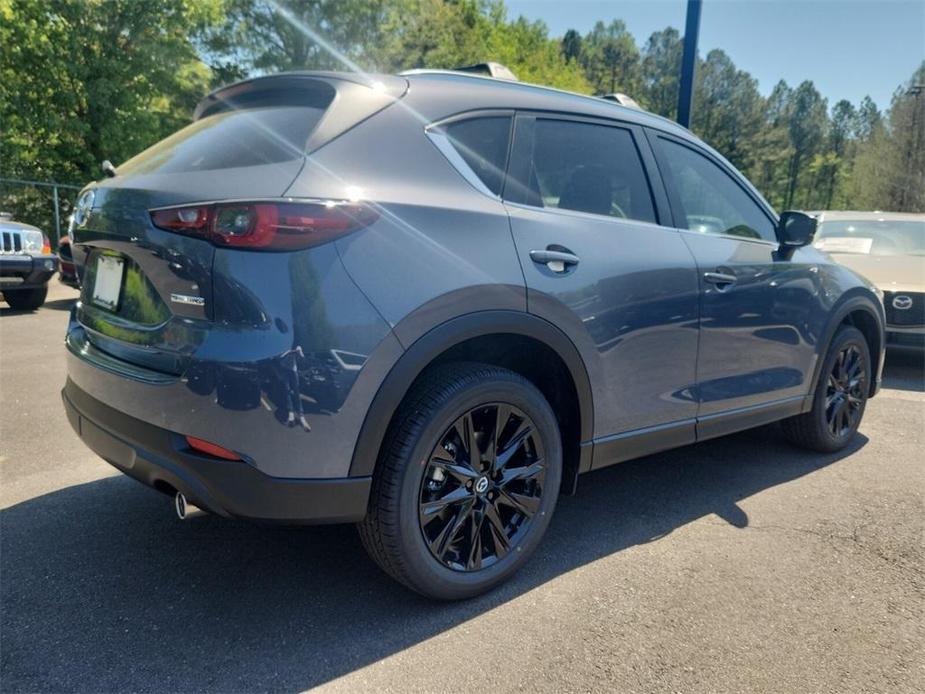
(795, 229)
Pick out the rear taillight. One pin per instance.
(268, 226)
(46, 245)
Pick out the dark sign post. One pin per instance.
(688, 63)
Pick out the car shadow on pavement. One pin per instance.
(55, 305)
(104, 590)
(60, 304)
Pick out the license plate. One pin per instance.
(108, 283)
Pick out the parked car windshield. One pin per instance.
(875, 237)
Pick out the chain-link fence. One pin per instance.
(44, 204)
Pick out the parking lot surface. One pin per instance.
(736, 565)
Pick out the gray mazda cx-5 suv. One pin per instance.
(427, 303)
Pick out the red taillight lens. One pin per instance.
(182, 219)
(46, 245)
(211, 449)
(267, 226)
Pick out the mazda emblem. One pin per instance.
(902, 302)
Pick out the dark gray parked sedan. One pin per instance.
(428, 303)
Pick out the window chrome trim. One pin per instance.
(731, 237)
(591, 215)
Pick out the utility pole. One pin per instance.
(688, 63)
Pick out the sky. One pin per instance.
(848, 48)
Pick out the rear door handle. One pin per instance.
(720, 279)
(557, 261)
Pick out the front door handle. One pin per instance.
(720, 279)
(557, 261)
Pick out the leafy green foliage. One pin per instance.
(87, 80)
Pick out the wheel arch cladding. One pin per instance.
(514, 340)
(860, 309)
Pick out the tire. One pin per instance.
(452, 551)
(26, 299)
(822, 428)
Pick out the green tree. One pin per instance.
(571, 45)
(907, 121)
(661, 66)
(610, 59)
(728, 110)
(807, 127)
(869, 119)
(841, 149)
(87, 80)
(265, 36)
(772, 146)
(439, 34)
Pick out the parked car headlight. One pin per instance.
(32, 241)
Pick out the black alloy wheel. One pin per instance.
(466, 482)
(482, 487)
(845, 391)
(839, 397)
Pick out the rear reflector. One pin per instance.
(211, 449)
(267, 226)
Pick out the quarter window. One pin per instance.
(712, 202)
(588, 168)
(482, 142)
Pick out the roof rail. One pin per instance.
(530, 85)
(502, 72)
(621, 99)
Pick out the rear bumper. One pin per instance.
(160, 459)
(24, 271)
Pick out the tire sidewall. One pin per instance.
(433, 576)
(29, 299)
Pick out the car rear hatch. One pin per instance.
(148, 292)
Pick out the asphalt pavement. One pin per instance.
(736, 565)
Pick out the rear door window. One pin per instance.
(574, 165)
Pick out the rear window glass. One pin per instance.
(247, 137)
(483, 143)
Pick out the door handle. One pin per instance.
(720, 279)
(557, 261)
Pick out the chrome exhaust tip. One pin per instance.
(185, 509)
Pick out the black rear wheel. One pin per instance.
(840, 397)
(466, 483)
(482, 487)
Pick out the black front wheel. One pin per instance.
(26, 299)
(466, 483)
(840, 396)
